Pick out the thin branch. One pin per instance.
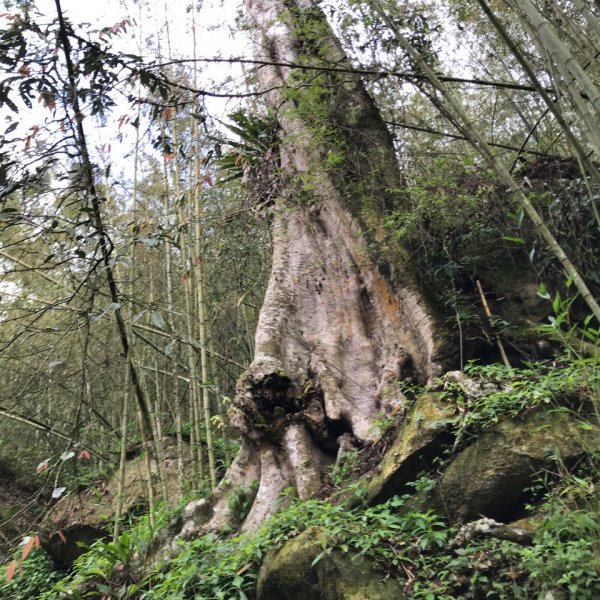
(510, 85)
(462, 137)
(10, 414)
(103, 241)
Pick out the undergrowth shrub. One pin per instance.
(502, 393)
(35, 575)
(513, 391)
(402, 540)
(566, 553)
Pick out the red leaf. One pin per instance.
(10, 572)
(123, 120)
(27, 548)
(84, 454)
(169, 156)
(62, 537)
(208, 179)
(167, 112)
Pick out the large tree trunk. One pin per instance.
(342, 322)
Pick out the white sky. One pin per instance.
(215, 34)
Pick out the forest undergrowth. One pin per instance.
(403, 538)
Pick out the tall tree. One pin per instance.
(342, 321)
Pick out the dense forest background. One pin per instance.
(140, 173)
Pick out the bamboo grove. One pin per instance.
(131, 286)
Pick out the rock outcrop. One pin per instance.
(491, 477)
(420, 438)
(291, 573)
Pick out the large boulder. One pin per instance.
(289, 574)
(421, 437)
(491, 477)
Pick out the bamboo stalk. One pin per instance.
(488, 314)
(578, 148)
(198, 263)
(173, 358)
(122, 462)
(182, 229)
(454, 111)
(570, 69)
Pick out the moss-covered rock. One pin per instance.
(492, 476)
(289, 574)
(419, 439)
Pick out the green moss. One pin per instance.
(421, 435)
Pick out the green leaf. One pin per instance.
(586, 426)
(517, 240)
(556, 303)
(542, 292)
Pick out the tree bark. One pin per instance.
(342, 323)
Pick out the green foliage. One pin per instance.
(411, 544)
(507, 392)
(566, 554)
(212, 568)
(400, 538)
(383, 423)
(342, 469)
(241, 499)
(36, 576)
(443, 208)
(577, 337)
(110, 568)
(256, 143)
